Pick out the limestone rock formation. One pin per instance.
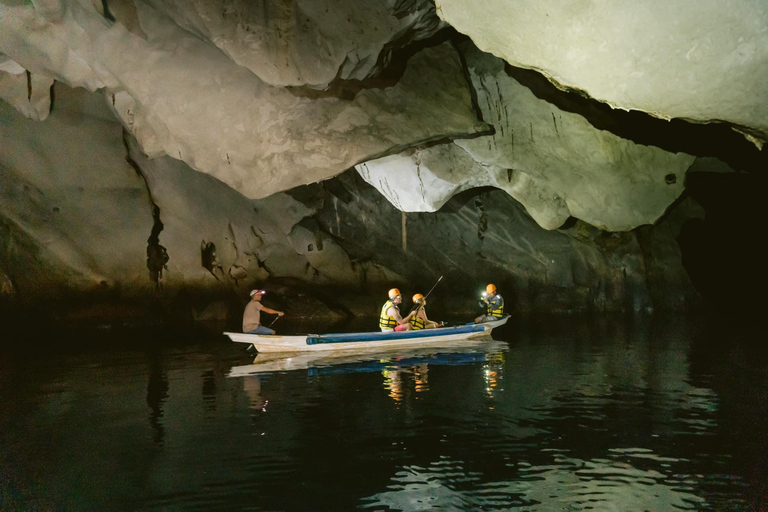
(29, 93)
(189, 151)
(181, 97)
(306, 42)
(76, 216)
(704, 62)
(80, 218)
(86, 212)
(554, 162)
(484, 236)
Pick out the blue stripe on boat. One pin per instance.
(314, 339)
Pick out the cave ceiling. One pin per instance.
(265, 96)
(703, 61)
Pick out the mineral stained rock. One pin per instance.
(704, 62)
(554, 162)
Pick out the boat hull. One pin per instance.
(374, 360)
(367, 340)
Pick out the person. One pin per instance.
(252, 314)
(420, 320)
(389, 318)
(494, 305)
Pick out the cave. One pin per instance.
(574, 189)
(387, 157)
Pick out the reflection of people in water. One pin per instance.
(393, 382)
(252, 387)
(493, 372)
(421, 377)
(396, 380)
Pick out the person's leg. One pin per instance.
(261, 330)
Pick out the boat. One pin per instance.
(365, 340)
(362, 361)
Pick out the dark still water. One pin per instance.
(556, 414)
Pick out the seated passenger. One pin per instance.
(389, 318)
(252, 314)
(420, 320)
(494, 305)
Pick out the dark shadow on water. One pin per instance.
(157, 393)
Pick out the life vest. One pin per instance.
(417, 322)
(386, 321)
(495, 307)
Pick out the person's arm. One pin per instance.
(394, 313)
(272, 311)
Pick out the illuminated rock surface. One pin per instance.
(181, 97)
(554, 162)
(705, 62)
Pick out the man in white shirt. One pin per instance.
(252, 314)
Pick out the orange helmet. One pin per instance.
(418, 298)
(490, 289)
(394, 292)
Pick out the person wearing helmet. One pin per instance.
(390, 319)
(420, 320)
(494, 305)
(252, 314)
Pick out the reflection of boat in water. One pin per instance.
(450, 353)
(366, 340)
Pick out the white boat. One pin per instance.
(360, 360)
(365, 340)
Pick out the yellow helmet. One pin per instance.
(418, 298)
(490, 289)
(394, 292)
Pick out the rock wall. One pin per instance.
(88, 215)
(191, 150)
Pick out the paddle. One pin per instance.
(430, 291)
(417, 306)
(273, 321)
